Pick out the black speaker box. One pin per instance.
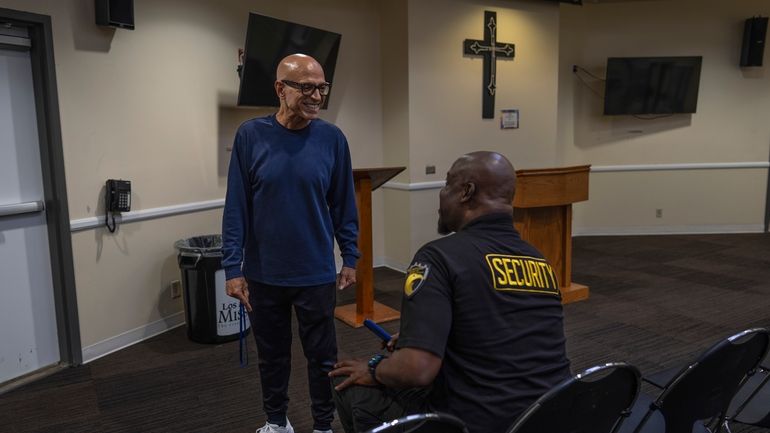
(115, 13)
(754, 32)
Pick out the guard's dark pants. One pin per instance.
(362, 408)
(271, 324)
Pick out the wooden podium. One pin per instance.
(367, 180)
(543, 215)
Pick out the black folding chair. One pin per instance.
(700, 391)
(594, 401)
(423, 423)
(751, 405)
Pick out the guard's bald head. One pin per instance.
(479, 183)
(491, 172)
(293, 66)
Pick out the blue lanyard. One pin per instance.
(244, 355)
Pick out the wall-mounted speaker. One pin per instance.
(754, 32)
(115, 13)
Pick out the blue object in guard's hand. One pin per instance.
(378, 330)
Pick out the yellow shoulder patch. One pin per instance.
(415, 277)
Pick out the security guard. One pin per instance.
(482, 333)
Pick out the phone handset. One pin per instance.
(117, 199)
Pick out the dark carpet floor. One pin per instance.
(656, 301)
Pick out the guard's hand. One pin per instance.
(346, 277)
(238, 288)
(391, 345)
(357, 372)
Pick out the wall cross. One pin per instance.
(490, 50)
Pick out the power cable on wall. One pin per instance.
(576, 69)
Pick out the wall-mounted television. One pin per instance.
(268, 40)
(652, 85)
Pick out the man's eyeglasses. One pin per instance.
(308, 89)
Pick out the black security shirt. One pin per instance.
(488, 304)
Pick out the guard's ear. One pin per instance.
(279, 89)
(469, 189)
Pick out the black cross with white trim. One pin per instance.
(490, 49)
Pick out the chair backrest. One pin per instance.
(594, 401)
(703, 389)
(423, 423)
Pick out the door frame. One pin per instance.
(54, 182)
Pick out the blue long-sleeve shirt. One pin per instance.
(289, 193)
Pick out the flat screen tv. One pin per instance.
(268, 40)
(652, 85)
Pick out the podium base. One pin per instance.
(380, 313)
(573, 293)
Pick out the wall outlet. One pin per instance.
(176, 289)
(430, 169)
(658, 213)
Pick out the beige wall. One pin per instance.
(156, 106)
(396, 141)
(692, 201)
(444, 102)
(395, 84)
(731, 124)
(445, 86)
(445, 91)
(562, 121)
(123, 278)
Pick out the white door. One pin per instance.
(28, 334)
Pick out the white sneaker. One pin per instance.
(275, 428)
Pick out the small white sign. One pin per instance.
(509, 119)
(228, 309)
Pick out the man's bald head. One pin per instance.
(298, 107)
(478, 183)
(491, 172)
(293, 66)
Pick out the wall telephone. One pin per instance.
(117, 199)
(118, 195)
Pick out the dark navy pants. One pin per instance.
(362, 408)
(271, 325)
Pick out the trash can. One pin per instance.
(211, 315)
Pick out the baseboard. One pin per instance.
(380, 262)
(391, 263)
(668, 230)
(32, 377)
(129, 338)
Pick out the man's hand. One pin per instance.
(239, 289)
(391, 345)
(357, 371)
(346, 277)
